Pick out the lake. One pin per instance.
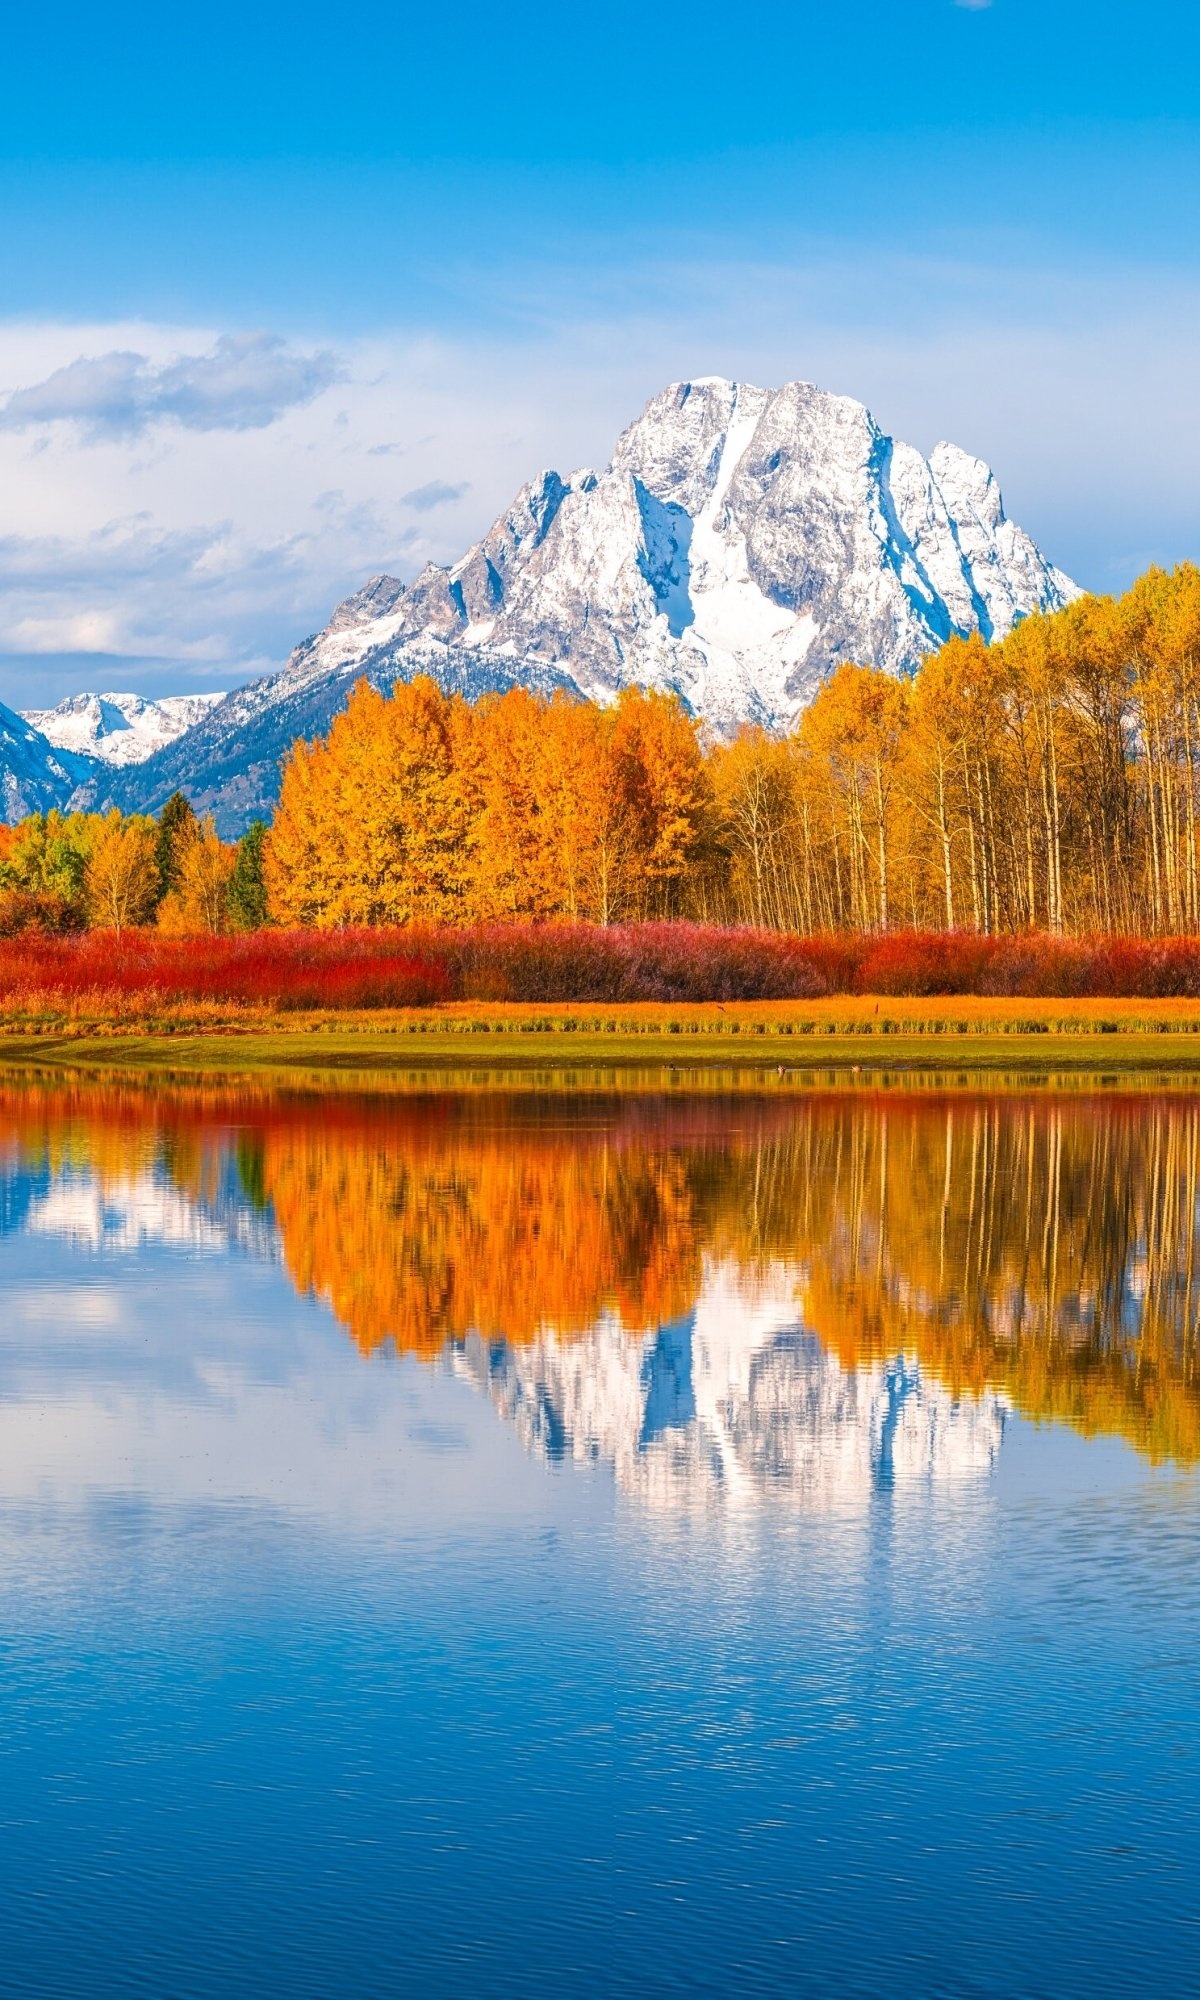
(482, 1540)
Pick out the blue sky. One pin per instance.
(289, 296)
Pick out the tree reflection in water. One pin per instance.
(927, 1256)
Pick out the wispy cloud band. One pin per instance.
(245, 382)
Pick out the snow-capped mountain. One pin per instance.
(741, 542)
(119, 728)
(34, 775)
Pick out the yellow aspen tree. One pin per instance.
(856, 726)
(303, 856)
(932, 774)
(602, 828)
(581, 804)
(377, 825)
(660, 765)
(752, 783)
(199, 903)
(122, 873)
(516, 864)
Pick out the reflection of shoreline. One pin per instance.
(735, 1403)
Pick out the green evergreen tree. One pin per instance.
(247, 889)
(175, 820)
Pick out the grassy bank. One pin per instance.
(798, 1037)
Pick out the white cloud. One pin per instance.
(132, 587)
(246, 382)
(69, 632)
(435, 493)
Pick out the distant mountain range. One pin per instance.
(741, 543)
(119, 729)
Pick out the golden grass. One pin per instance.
(839, 1015)
(105, 1012)
(708, 1043)
(643, 1060)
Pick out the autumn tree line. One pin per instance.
(1049, 781)
(1046, 782)
(63, 872)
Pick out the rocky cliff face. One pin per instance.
(741, 543)
(34, 775)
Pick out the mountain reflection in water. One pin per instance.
(826, 1291)
(734, 1400)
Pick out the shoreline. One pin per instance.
(773, 1041)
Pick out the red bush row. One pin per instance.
(567, 963)
(1033, 966)
(695, 962)
(304, 969)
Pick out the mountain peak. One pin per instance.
(740, 543)
(378, 596)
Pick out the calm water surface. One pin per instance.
(492, 1542)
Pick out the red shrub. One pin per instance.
(581, 963)
(42, 910)
(922, 962)
(301, 969)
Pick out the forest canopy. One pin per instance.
(1047, 782)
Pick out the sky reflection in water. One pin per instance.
(457, 1542)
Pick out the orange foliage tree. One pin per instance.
(199, 902)
(377, 824)
(419, 808)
